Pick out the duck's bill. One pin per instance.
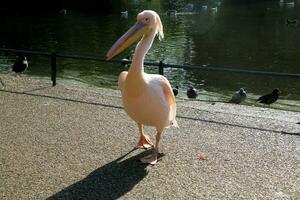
(132, 35)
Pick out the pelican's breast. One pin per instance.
(145, 101)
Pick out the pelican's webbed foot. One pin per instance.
(144, 142)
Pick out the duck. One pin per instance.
(125, 62)
(175, 90)
(238, 97)
(269, 98)
(20, 65)
(63, 11)
(124, 14)
(172, 12)
(294, 22)
(191, 92)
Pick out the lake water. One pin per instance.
(250, 36)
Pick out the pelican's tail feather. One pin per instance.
(175, 124)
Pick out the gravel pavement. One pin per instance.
(69, 142)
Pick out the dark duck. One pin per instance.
(20, 65)
(269, 98)
(175, 90)
(191, 92)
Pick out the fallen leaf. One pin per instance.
(201, 157)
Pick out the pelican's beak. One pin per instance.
(132, 35)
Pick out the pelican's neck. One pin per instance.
(141, 50)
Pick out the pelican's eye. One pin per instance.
(146, 19)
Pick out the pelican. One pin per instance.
(148, 99)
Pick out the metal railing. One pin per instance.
(161, 65)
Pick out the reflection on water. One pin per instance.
(253, 36)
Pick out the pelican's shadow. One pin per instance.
(108, 182)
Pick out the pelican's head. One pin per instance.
(147, 22)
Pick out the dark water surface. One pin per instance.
(252, 36)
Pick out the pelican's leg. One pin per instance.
(144, 141)
(152, 158)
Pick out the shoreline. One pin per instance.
(204, 96)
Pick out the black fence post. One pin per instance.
(53, 68)
(161, 68)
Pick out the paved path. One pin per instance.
(76, 143)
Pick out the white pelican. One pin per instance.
(148, 99)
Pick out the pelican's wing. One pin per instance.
(122, 78)
(169, 95)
